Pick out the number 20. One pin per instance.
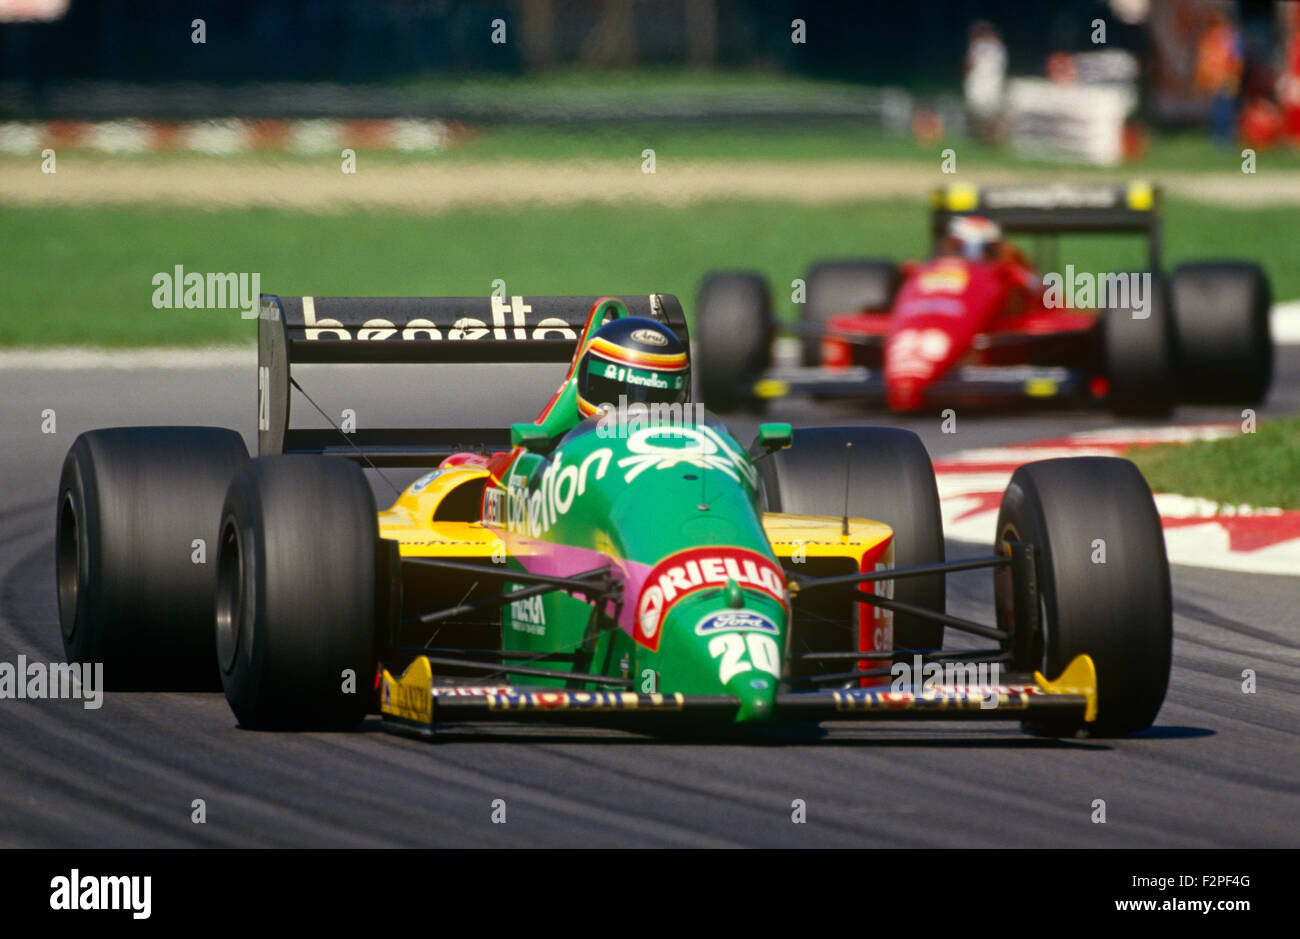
(762, 649)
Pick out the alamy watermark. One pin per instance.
(78, 891)
(82, 681)
(177, 289)
(1086, 291)
(922, 677)
(624, 419)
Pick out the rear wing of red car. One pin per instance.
(415, 330)
(1055, 208)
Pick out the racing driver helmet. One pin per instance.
(975, 237)
(636, 357)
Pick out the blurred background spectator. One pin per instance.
(1218, 73)
(1289, 84)
(985, 81)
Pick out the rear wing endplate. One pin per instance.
(420, 330)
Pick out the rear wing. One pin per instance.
(1055, 208)
(419, 330)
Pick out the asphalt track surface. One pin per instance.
(1220, 768)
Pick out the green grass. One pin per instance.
(1260, 469)
(578, 87)
(83, 275)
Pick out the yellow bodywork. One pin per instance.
(410, 523)
(822, 536)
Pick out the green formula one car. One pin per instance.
(620, 560)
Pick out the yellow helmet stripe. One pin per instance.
(663, 361)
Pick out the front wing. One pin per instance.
(416, 702)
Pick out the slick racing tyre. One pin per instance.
(1103, 580)
(843, 287)
(297, 600)
(1139, 356)
(733, 335)
(890, 480)
(139, 511)
(1225, 352)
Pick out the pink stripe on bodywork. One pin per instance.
(557, 560)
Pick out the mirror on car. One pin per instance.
(775, 436)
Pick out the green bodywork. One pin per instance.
(641, 492)
(635, 489)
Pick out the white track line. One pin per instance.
(81, 358)
(1286, 323)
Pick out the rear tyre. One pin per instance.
(1103, 580)
(844, 287)
(1225, 351)
(891, 480)
(733, 333)
(1139, 356)
(297, 618)
(139, 512)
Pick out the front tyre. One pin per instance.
(1138, 349)
(890, 479)
(836, 287)
(1225, 351)
(1103, 580)
(734, 328)
(297, 598)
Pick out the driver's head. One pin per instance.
(636, 357)
(975, 237)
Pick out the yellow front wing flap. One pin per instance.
(411, 696)
(1079, 677)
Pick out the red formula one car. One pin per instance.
(979, 323)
